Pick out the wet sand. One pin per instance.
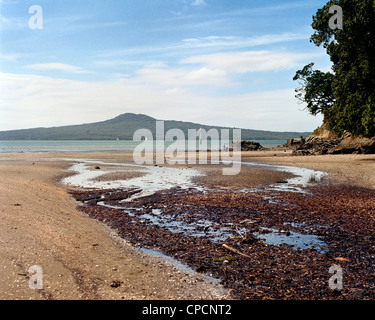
(82, 259)
(248, 178)
(349, 170)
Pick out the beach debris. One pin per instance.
(247, 238)
(224, 259)
(249, 221)
(23, 274)
(294, 247)
(116, 283)
(235, 250)
(341, 259)
(286, 232)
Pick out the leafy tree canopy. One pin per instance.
(346, 98)
(316, 89)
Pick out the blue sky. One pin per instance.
(216, 62)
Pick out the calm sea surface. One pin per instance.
(89, 146)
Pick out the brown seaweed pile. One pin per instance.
(262, 245)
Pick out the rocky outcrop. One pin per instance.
(317, 145)
(251, 146)
(357, 145)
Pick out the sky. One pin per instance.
(215, 62)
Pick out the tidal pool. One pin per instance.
(294, 239)
(159, 178)
(155, 178)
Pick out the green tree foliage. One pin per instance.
(352, 52)
(316, 90)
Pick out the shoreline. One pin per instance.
(348, 169)
(80, 257)
(46, 175)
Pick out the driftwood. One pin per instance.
(235, 250)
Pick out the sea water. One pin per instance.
(29, 146)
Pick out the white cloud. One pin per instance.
(12, 56)
(249, 61)
(217, 70)
(12, 23)
(183, 77)
(198, 3)
(56, 66)
(218, 43)
(206, 74)
(241, 42)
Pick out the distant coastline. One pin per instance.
(124, 126)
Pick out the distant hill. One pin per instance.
(124, 126)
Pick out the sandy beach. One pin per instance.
(40, 225)
(82, 258)
(353, 170)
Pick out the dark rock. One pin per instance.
(314, 146)
(358, 145)
(251, 146)
(295, 142)
(116, 284)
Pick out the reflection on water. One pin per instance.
(297, 240)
